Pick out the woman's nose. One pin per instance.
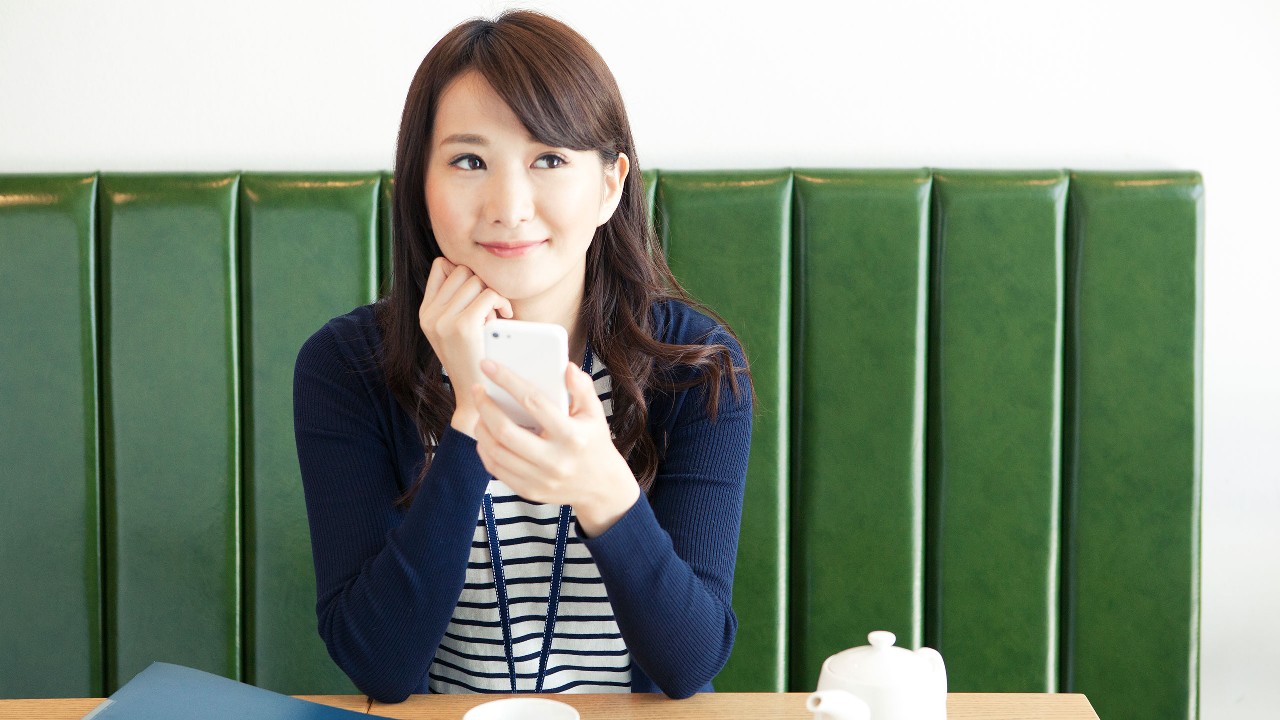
(510, 199)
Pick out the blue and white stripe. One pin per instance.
(588, 653)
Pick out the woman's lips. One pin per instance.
(513, 249)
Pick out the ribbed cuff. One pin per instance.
(630, 537)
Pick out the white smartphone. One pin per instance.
(536, 352)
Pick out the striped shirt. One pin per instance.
(587, 653)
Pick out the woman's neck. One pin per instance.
(564, 309)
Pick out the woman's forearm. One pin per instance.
(382, 625)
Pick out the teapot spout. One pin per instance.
(937, 699)
(937, 667)
(837, 705)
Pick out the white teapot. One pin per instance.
(881, 682)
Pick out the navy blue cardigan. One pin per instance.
(387, 578)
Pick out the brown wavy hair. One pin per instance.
(565, 96)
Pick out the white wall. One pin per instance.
(1090, 84)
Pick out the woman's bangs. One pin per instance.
(557, 103)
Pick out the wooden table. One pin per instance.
(625, 706)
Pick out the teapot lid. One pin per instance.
(879, 663)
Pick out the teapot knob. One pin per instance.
(881, 639)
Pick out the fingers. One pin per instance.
(565, 462)
(441, 270)
(436, 277)
(582, 392)
(465, 294)
(454, 280)
(498, 306)
(442, 284)
(519, 474)
(476, 304)
(552, 419)
(501, 431)
(502, 306)
(454, 291)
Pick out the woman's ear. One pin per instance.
(615, 177)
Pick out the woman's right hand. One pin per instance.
(455, 307)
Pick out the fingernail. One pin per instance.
(488, 366)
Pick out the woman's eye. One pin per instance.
(549, 161)
(468, 162)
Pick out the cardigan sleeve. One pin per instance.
(387, 579)
(668, 563)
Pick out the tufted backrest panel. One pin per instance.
(978, 420)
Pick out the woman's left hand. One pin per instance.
(572, 462)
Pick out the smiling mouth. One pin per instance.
(513, 249)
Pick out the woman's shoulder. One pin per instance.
(353, 339)
(680, 323)
(361, 322)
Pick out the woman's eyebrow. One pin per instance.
(465, 139)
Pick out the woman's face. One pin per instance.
(519, 213)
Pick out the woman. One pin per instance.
(455, 551)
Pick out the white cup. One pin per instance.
(522, 709)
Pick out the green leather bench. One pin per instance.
(978, 421)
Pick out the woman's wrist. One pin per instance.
(618, 496)
(464, 420)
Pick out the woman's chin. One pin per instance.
(524, 285)
(515, 289)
